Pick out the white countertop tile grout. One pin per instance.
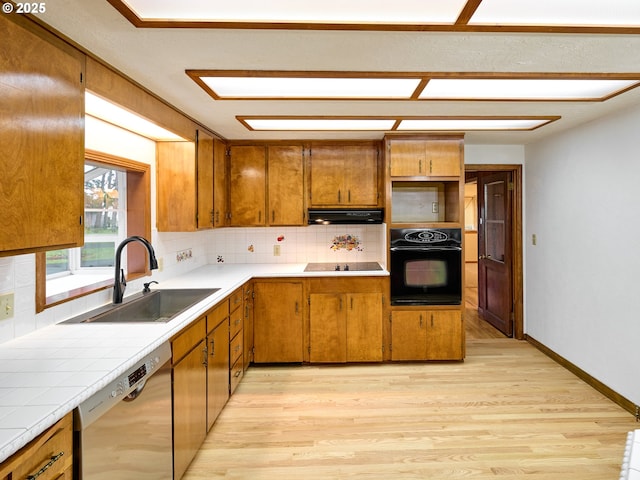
(56, 368)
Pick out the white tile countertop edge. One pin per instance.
(48, 373)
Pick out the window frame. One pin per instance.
(138, 222)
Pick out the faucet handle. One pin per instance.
(146, 288)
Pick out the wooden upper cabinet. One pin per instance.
(425, 158)
(41, 140)
(344, 175)
(186, 186)
(176, 190)
(205, 215)
(219, 183)
(247, 185)
(286, 185)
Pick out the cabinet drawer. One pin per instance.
(237, 372)
(235, 300)
(187, 339)
(235, 348)
(50, 455)
(236, 323)
(217, 315)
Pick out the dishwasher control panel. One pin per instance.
(124, 387)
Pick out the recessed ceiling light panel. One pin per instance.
(316, 87)
(297, 11)
(523, 89)
(621, 13)
(462, 124)
(318, 124)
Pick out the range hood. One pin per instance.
(345, 216)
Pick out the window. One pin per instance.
(117, 205)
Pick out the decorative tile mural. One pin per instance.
(347, 242)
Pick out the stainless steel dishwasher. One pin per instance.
(125, 429)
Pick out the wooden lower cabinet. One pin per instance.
(218, 361)
(236, 339)
(48, 457)
(345, 327)
(189, 352)
(248, 325)
(346, 319)
(278, 320)
(427, 335)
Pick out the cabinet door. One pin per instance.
(176, 186)
(443, 158)
(407, 158)
(248, 326)
(217, 371)
(327, 176)
(364, 327)
(277, 329)
(41, 141)
(285, 185)
(360, 175)
(247, 176)
(327, 328)
(204, 162)
(219, 183)
(445, 336)
(408, 335)
(189, 407)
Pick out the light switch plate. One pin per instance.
(6, 306)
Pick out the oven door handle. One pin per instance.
(426, 249)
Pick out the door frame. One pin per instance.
(516, 240)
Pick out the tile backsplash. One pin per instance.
(322, 243)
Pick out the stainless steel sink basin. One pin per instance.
(157, 306)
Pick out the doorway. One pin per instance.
(493, 246)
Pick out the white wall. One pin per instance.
(494, 154)
(582, 276)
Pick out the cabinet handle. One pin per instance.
(351, 306)
(420, 166)
(259, 216)
(430, 166)
(273, 215)
(432, 320)
(296, 308)
(213, 347)
(349, 196)
(217, 220)
(420, 320)
(204, 355)
(48, 465)
(339, 198)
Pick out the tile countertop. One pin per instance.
(48, 373)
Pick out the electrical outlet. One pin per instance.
(434, 207)
(534, 239)
(6, 306)
(276, 250)
(160, 264)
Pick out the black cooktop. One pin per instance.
(343, 267)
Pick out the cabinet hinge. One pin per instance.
(390, 317)
(309, 349)
(228, 152)
(510, 186)
(81, 77)
(309, 300)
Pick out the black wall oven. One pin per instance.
(426, 266)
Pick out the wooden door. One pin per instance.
(407, 158)
(219, 184)
(247, 174)
(204, 166)
(408, 335)
(277, 323)
(217, 371)
(326, 176)
(176, 186)
(495, 279)
(445, 335)
(189, 407)
(443, 158)
(364, 327)
(327, 328)
(41, 140)
(286, 185)
(360, 175)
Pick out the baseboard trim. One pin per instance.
(612, 395)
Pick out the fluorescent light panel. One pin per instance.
(286, 87)
(523, 89)
(620, 13)
(471, 124)
(319, 124)
(116, 115)
(297, 11)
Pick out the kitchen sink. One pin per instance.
(157, 306)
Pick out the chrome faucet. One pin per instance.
(120, 282)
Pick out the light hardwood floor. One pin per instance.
(506, 412)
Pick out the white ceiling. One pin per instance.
(157, 59)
